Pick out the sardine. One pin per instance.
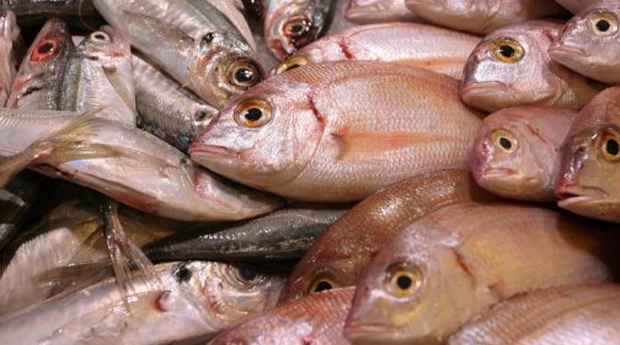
(518, 152)
(454, 264)
(10, 39)
(378, 11)
(406, 43)
(315, 134)
(511, 67)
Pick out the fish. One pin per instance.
(321, 120)
(518, 152)
(198, 45)
(180, 300)
(482, 17)
(39, 80)
(291, 24)
(511, 67)
(16, 203)
(452, 265)
(575, 6)
(405, 43)
(166, 109)
(342, 252)
(283, 235)
(574, 314)
(589, 160)
(589, 45)
(130, 166)
(378, 11)
(10, 41)
(316, 319)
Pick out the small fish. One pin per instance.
(587, 314)
(166, 109)
(316, 320)
(454, 264)
(511, 67)
(282, 235)
(378, 11)
(293, 24)
(589, 44)
(39, 81)
(180, 300)
(372, 223)
(197, 44)
(482, 17)
(405, 43)
(10, 40)
(518, 152)
(331, 146)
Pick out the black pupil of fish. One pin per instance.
(293, 66)
(253, 114)
(248, 272)
(323, 286)
(507, 51)
(505, 143)
(404, 282)
(612, 147)
(244, 75)
(183, 274)
(46, 48)
(100, 37)
(297, 28)
(603, 25)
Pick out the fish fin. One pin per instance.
(68, 279)
(228, 9)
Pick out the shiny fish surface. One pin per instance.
(576, 6)
(377, 11)
(10, 40)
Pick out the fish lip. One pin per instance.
(212, 151)
(560, 50)
(572, 195)
(493, 172)
(475, 89)
(359, 329)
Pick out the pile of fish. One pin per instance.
(309, 172)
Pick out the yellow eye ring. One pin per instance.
(504, 140)
(403, 280)
(253, 113)
(291, 63)
(321, 284)
(603, 23)
(508, 50)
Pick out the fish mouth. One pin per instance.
(559, 50)
(473, 91)
(365, 330)
(212, 151)
(573, 195)
(497, 172)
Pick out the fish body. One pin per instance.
(338, 132)
(378, 11)
(511, 67)
(589, 44)
(176, 301)
(292, 24)
(454, 264)
(518, 152)
(316, 319)
(341, 254)
(436, 49)
(10, 39)
(586, 314)
(482, 17)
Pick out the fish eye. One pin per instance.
(207, 38)
(253, 113)
(504, 140)
(403, 279)
(297, 27)
(248, 272)
(321, 284)
(611, 147)
(45, 51)
(100, 37)
(291, 63)
(604, 23)
(508, 50)
(244, 73)
(183, 274)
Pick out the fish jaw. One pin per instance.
(489, 96)
(586, 201)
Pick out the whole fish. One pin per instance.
(372, 223)
(39, 81)
(292, 24)
(166, 109)
(589, 43)
(454, 264)
(576, 6)
(316, 319)
(589, 160)
(518, 152)
(321, 120)
(419, 45)
(177, 301)
(10, 40)
(482, 17)
(197, 44)
(511, 67)
(130, 166)
(377, 11)
(284, 234)
(566, 315)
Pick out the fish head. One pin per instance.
(511, 67)
(265, 137)
(512, 158)
(591, 164)
(106, 46)
(44, 57)
(294, 24)
(589, 42)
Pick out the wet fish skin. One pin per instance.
(455, 263)
(518, 152)
(378, 11)
(10, 40)
(575, 6)
(439, 50)
(343, 251)
(179, 300)
(511, 67)
(282, 235)
(335, 148)
(166, 109)
(316, 319)
(39, 80)
(292, 24)
(564, 315)
(589, 43)
(482, 17)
